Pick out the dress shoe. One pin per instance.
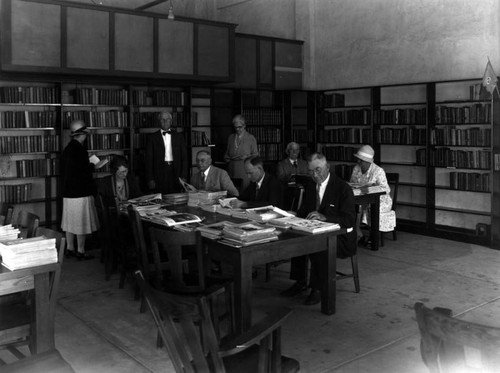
(84, 256)
(295, 289)
(69, 253)
(313, 298)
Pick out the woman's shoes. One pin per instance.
(84, 256)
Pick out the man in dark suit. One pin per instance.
(292, 165)
(328, 199)
(264, 189)
(166, 158)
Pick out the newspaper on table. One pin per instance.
(305, 225)
(266, 213)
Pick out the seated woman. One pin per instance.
(367, 172)
(120, 184)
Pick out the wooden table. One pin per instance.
(43, 305)
(372, 199)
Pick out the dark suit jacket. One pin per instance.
(270, 193)
(106, 190)
(338, 207)
(285, 169)
(155, 155)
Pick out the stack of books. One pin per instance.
(175, 198)
(8, 232)
(202, 198)
(24, 253)
(359, 189)
(249, 233)
(172, 218)
(305, 225)
(214, 231)
(266, 213)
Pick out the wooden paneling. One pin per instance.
(133, 43)
(89, 49)
(266, 62)
(288, 54)
(36, 34)
(175, 47)
(213, 50)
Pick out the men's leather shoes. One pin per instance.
(295, 289)
(313, 298)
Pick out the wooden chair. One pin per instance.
(180, 325)
(393, 180)
(452, 345)
(15, 328)
(27, 222)
(49, 361)
(7, 218)
(354, 273)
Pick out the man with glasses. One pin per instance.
(328, 199)
(240, 145)
(211, 178)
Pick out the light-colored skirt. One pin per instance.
(79, 215)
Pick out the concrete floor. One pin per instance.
(99, 327)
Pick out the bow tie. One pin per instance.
(163, 133)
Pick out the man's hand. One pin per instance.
(315, 215)
(151, 184)
(236, 203)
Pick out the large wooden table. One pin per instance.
(43, 306)
(372, 199)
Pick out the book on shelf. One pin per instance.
(266, 213)
(175, 219)
(24, 253)
(305, 225)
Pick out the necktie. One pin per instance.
(295, 166)
(257, 192)
(318, 197)
(203, 179)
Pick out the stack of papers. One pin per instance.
(249, 233)
(175, 198)
(148, 198)
(8, 232)
(173, 219)
(205, 198)
(304, 225)
(214, 231)
(359, 189)
(24, 253)
(266, 213)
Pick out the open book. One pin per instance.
(266, 213)
(305, 225)
(176, 219)
(359, 189)
(98, 163)
(187, 187)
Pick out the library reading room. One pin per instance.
(249, 186)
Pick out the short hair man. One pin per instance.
(292, 165)
(328, 199)
(166, 157)
(264, 189)
(211, 178)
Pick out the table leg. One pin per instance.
(42, 322)
(375, 224)
(243, 294)
(328, 293)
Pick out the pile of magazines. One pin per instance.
(248, 233)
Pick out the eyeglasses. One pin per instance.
(316, 170)
(237, 127)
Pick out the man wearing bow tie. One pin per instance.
(166, 157)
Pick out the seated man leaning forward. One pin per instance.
(211, 178)
(264, 189)
(329, 199)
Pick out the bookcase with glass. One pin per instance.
(200, 122)
(299, 120)
(343, 125)
(30, 146)
(225, 104)
(400, 142)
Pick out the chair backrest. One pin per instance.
(168, 247)
(393, 180)
(452, 345)
(178, 322)
(27, 222)
(298, 194)
(7, 218)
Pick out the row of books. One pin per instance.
(30, 252)
(270, 152)
(478, 92)
(150, 119)
(29, 95)
(340, 153)
(29, 144)
(344, 171)
(15, 193)
(106, 141)
(331, 100)
(345, 135)
(401, 136)
(199, 138)
(28, 119)
(472, 159)
(94, 96)
(475, 136)
(470, 181)
(347, 117)
(477, 113)
(302, 135)
(112, 118)
(400, 116)
(37, 167)
(262, 117)
(263, 134)
(158, 98)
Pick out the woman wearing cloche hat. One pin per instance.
(366, 172)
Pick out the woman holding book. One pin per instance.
(121, 184)
(366, 172)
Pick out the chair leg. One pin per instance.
(381, 238)
(355, 273)
(268, 272)
(394, 237)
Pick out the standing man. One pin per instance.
(293, 165)
(264, 189)
(211, 178)
(329, 199)
(166, 158)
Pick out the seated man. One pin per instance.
(264, 189)
(292, 165)
(329, 199)
(211, 178)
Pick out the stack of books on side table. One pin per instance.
(248, 233)
(305, 225)
(30, 252)
(8, 232)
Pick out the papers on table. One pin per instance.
(24, 253)
(305, 225)
(249, 233)
(266, 213)
(175, 198)
(171, 218)
(203, 198)
(359, 189)
(156, 197)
